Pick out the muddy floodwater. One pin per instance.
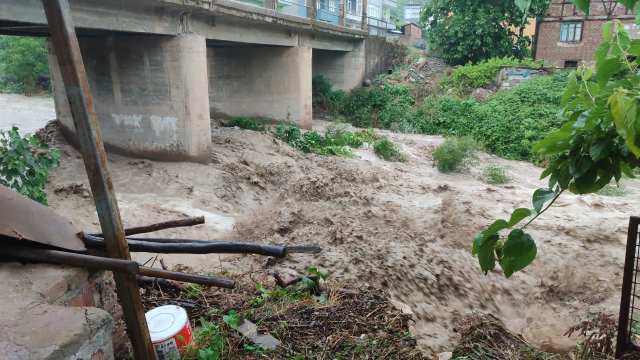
(27, 113)
(403, 227)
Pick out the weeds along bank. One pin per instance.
(508, 123)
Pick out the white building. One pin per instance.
(412, 12)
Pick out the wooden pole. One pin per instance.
(65, 44)
(191, 278)
(364, 14)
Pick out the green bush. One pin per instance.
(248, 123)
(511, 122)
(389, 151)
(376, 106)
(470, 77)
(444, 116)
(613, 189)
(322, 95)
(508, 123)
(455, 154)
(494, 173)
(24, 164)
(337, 141)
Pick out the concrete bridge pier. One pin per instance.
(150, 94)
(344, 70)
(261, 81)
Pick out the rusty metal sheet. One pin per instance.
(23, 218)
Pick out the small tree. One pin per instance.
(24, 164)
(475, 30)
(23, 59)
(600, 141)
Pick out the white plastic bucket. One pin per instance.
(170, 331)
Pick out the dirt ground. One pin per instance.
(402, 227)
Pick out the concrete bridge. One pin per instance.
(160, 69)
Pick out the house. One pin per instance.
(378, 15)
(410, 32)
(411, 12)
(378, 12)
(568, 37)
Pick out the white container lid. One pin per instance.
(165, 322)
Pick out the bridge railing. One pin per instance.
(329, 11)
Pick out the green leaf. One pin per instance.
(584, 183)
(518, 215)
(629, 4)
(623, 108)
(634, 48)
(552, 168)
(556, 142)
(314, 271)
(572, 88)
(579, 165)
(583, 5)
(564, 178)
(606, 70)
(233, 319)
(601, 53)
(593, 88)
(523, 5)
(601, 148)
(606, 30)
(487, 255)
(493, 229)
(512, 264)
(518, 244)
(542, 195)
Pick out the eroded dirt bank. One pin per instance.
(403, 227)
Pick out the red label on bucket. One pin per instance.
(170, 331)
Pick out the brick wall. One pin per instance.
(550, 48)
(99, 290)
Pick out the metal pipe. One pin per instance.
(192, 278)
(117, 266)
(142, 229)
(217, 247)
(68, 258)
(67, 51)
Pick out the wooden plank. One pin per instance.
(67, 51)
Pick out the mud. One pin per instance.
(27, 113)
(403, 227)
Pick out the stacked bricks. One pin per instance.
(58, 312)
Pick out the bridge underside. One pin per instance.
(155, 91)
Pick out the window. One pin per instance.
(374, 11)
(571, 31)
(570, 64)
(354, 7)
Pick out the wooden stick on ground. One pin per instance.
(142, 229)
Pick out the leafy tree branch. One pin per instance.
(599, 142)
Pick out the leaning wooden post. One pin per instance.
(341, 14)
(364, 14)
(67, 51)
(311, 9)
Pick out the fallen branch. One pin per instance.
(159, 226)
(283, 284)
